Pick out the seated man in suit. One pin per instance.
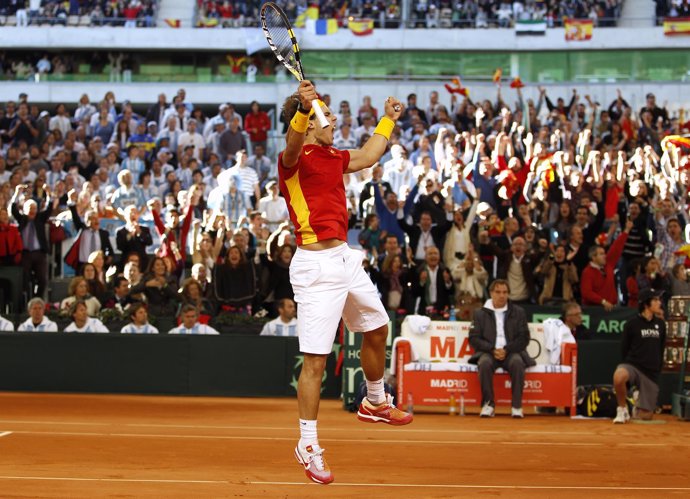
(499, 335)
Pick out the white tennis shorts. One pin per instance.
(330, 284)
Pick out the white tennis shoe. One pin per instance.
(517, 412)
(487, 411)
(622, 416)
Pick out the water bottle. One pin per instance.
(451, 406)
(462, 405)
(410, 404)
(452, 317)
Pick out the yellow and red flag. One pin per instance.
(578, 30)
(361, 27)
(173, 23)
(676, 26)
(516, 83)
(497, 75)
(457, 87)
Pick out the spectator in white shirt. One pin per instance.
(170, 132)
(189, 315)
(344, 138)
(273, 206)
(139, 314)
(397, 171)
(5, 325)
(249, 180)
(286, 323)
(191, 138)
(367, 128)
(179, 113)
(212, 138)
(37, 321)
(85, 110)
(81, 322)
(210, 124)
(60, 121)
(43, 65)
(262, 164)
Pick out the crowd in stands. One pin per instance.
(672, 8)
(128, 13)
(422, 14)
(168, 209)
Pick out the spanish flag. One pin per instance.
(677, 26)
(497, 75)
(361, 27)
(457, 87)
(578, 30)
(173, 23)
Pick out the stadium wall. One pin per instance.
(382, 39)
(228, 365)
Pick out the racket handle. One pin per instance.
(319, 114)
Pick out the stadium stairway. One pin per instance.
(638, 14)
(172, 10)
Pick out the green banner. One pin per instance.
(603, 324)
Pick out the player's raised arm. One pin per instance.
(299, 122)
(372, 151)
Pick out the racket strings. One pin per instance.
(280, 37)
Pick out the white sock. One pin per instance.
(307, 432)
(375, 392)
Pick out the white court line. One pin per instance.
(489, 487)
(5, 433)
(349, 440)
(340, 484)
(23, 421)
(77, 479)
(352, 440)
(292, 428)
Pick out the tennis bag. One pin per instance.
(596, 401)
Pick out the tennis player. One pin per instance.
(326, 275)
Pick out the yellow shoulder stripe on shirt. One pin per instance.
(301, 209)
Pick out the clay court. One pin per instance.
(134, 446)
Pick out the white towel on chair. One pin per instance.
(418, 324)
(555, 334)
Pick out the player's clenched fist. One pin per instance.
(393, 108)
(307, 93)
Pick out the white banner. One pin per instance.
(449, 342)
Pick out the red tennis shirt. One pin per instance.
(315, 193)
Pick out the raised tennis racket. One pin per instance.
(281, 39)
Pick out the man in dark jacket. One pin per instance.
(516, 266)
(499, 335)
(90, 237)
(425, 234)
(433, 287)
(642, 349)
(32, 227)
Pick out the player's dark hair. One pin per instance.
(290, 106)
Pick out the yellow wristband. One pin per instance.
(300, 122)
(385, 127)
